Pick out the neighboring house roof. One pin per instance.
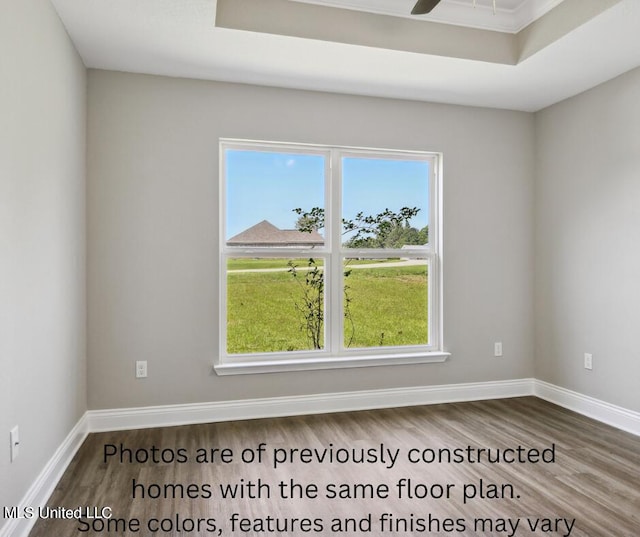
(266, 234)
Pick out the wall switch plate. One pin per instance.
(588, 361)
(141, 369)
(497, 348)
(14, 438)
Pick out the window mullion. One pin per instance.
(335, 315)
(435, 260)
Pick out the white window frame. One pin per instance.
(334, 355)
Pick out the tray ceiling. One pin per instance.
(557, 57)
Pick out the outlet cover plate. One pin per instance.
(141, 369)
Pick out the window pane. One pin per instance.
(385, 302)
(386, 201)
(263, 188)
(275, 305)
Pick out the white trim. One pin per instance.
(309, 362)
(271, 407)
(46, 482)
(171, 415)
(616, 416)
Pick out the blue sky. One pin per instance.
(268, 186)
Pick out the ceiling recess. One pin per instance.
(509, 16)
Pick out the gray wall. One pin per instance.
(42, 239)
(588, 242)
(153, 232)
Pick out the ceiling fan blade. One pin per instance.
(424, 6)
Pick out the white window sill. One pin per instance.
(271, 365)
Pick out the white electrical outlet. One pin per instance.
(588, 361)
(497, 348)
(141, 369)
(14, 438)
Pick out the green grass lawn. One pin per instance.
(242, 263)
(388, 307)
(250, 263)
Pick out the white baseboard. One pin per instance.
(616, 416)
(164, 416)
(46, 482)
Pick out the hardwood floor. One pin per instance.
(590, 488)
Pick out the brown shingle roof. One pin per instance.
(266, 234)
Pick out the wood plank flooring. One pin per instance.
(591, 489)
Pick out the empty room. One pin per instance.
(319, 267)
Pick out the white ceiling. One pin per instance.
(179, 38)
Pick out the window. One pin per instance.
(329, 257)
